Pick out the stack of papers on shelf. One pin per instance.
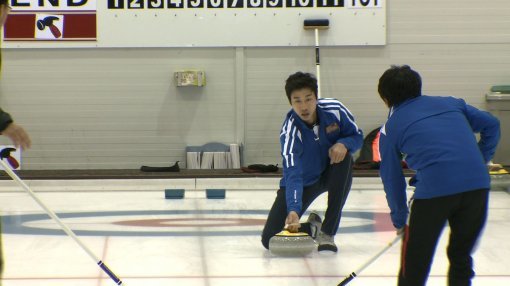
(207, 160)
(220, 160)
(234, 154)
(193, 160)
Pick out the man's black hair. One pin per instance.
(299, 81)
(398, 84)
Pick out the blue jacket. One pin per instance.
(305, 155)
(436, 136)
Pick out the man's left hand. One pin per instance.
(337, 153)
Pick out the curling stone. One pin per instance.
(500, 182)
(500, 178)
(287, 243)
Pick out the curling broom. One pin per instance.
(5, 153)
(355, 273)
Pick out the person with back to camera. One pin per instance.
(7, 127)
(436, 136)
(317, 139)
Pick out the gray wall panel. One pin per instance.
(117, 106)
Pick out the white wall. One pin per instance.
(119, 108)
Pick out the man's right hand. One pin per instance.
(18, 135)
(292, 222)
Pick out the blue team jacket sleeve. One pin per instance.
(292, 149)
(350, 135)
(488, 126)
(393, 180)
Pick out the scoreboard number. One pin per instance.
(255, 4)
(364, 3)
(235, 4)
(175, 4)
(155, 4)
(135, 4)
(299, 3)
(196, 4)
(215, 4)
(330, 3)
(275, 3)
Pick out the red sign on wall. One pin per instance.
(49, 27)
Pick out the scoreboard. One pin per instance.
(198, 23)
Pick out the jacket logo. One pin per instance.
(332, 128)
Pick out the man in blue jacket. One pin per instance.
(436, 137)
(317, 140)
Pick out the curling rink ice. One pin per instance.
(148, 240)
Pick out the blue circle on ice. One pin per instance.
(174, 223)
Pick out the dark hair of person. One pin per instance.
(299, 81)
(398, 84)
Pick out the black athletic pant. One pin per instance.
(336, 180)
(466, 214)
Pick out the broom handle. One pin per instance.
(355, 273)
(61, 224)
(388, 246)
(318, 63)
